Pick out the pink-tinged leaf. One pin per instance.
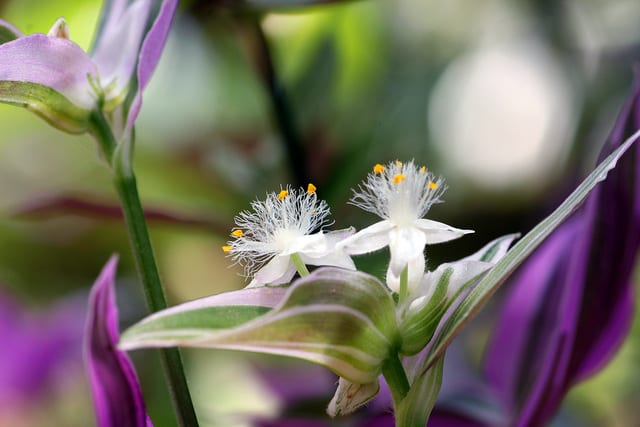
(149, 56)
(264, 296)
(116, 51)
(341, 319)
(57, 63)
(115, 390)
(578, 290)
(77, 205)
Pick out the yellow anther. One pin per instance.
(423, 169)
(378, 169)
(398, 163)
(227, 248)
(432, 185)
(282, 194)
(398, 178)
(237, 233)
(311, 188)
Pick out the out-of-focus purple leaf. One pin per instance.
(520, 347)
(37, 347)
(572, 305)
(115, 390)
(149, 55)
(56, 205)
(454, 320)
(444, 418)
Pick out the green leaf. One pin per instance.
(490, 283)
(415, 408)
(440, 288)
(494, 250)
(8, 32)
(341, 319)
(419, 323)
(49, 104)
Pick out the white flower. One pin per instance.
(400, 194)
(268, 240)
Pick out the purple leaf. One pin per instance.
(116, 50)
(525, 339)
(572, 304)
(37, 347)
(116, 393)
(150, 52)
(49, 61)
(444, 418)
(48, 206)
(291, 422)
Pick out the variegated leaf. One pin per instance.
(342, 319)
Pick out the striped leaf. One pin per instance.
(415, 408)
(341, 319)
(490, 283)
(440, 288)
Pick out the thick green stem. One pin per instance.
(396, 378)
(125, 183)
(404, 285)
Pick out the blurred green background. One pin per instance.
(509, 100)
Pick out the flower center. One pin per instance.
(283, 238)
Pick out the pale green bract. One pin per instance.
(415, 408)
(441, 288)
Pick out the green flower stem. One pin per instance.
(125, 183)
(396, 378)
(145, 262)
(299, 264)
(404, 285)
(101, 131)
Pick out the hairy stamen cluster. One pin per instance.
(273, 225)
(399, 192)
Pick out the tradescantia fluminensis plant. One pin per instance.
(347, 320)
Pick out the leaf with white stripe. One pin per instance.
(440, 288)
(490, 283)
(342, 319)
